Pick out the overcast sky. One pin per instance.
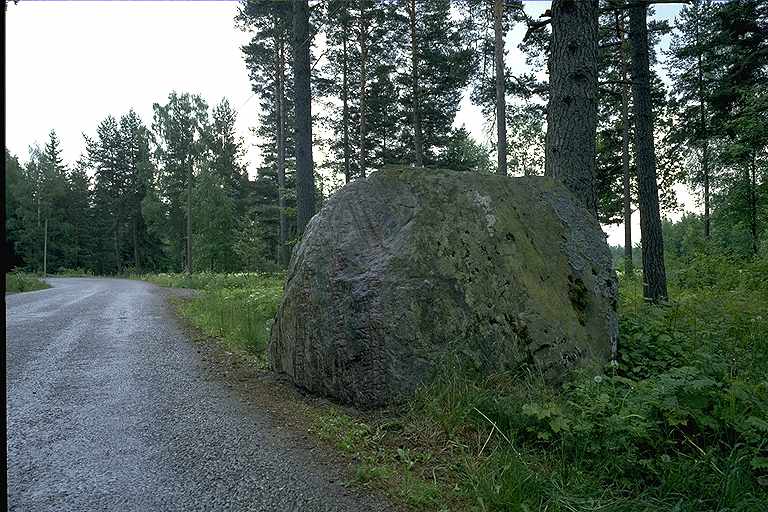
(69, 64)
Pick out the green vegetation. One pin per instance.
(23, 282)
(681, 423)
(237, 308)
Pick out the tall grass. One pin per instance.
(16, 282)
(237, 307)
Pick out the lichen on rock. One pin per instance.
(401, 269)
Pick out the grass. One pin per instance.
(16, 282)
(680, 423)
(237, 308)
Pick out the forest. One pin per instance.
(623, 107)
(386, 91)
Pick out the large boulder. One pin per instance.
(406, 267)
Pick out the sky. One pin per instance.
(71, 63)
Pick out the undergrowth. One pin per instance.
(16, 282)
(679, 423)
(237, 308)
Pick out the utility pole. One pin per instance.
(189, 219)
(45, 249)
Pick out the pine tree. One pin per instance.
(614, 179)
(80, 217)
(690, 66)
(139, 178)
(54, 205)
(654, 272)
(572, 110)
(226, 151)
(179, 126)
(17, 195)
(214, 222)
(526, 138)
(110, 193)
(739, 101)
(492, 81)
(29, 244)
(269, 60)
(305, 177)
(437, 69)
(463, 153)
(219, 193)
(363, 127)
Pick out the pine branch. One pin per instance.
(617, 6)
(534, 26)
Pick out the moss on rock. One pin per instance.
(410, 265)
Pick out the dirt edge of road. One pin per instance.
(291, 409)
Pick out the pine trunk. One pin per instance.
(345, 102)
(654, 272)
(418, 136)
(629, 266)
(280, 93)
(305, 179)
(572, 109)
(363, 38)
(501, 108)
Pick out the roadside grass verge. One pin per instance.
(680, 423)
(237, 308)
(16, 282)
(72, 272)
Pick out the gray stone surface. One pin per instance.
(411, 269)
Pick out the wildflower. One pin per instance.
(598, 379)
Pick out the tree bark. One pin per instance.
(572, 109)
(345, 99)
(305, 178)
(654, 272)
(501, 108)
(629, 266)
(283, 238)
(363, 38)
(418, 136)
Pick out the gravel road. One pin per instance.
(111, 407)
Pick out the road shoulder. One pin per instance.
(258, 388)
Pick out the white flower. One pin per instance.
(598, 379)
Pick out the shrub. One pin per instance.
(681, 421)
(23, 282)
